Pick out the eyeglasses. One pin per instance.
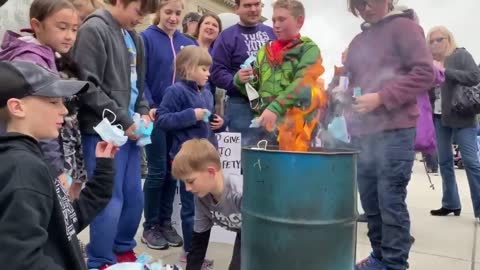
(437, 40)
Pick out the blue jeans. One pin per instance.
(187, 215)
(113, 230)
(466, 138)
(159, 188)
(240, 115)
(384, 168)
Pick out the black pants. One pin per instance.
(236, 256)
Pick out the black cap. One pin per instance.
(19, 79)
(191, 17)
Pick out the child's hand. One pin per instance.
(217, 122)
(130, 132)
(200, 113)
(63, 180)
(268, 119)
(105, 150)
(147, 120)
(245, 74)
(152, 114)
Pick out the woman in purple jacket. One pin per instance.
(391, 65)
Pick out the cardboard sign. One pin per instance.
(230, 149)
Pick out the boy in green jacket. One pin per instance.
(280, 68)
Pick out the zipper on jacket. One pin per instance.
(174, 58)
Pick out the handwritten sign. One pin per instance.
(230, 149)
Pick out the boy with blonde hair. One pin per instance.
(217, 197)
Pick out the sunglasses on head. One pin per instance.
(437, 40)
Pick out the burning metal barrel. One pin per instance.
(299, 209)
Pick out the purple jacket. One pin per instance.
(390, 58)
(234, 45)
(27, 48)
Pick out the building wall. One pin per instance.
(14, 15)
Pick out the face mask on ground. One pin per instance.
(110, 133)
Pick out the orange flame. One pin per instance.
(295, 133)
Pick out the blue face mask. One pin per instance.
(69, 180)
(338, 129)
(109, 133)
(142, 131)
(206, 117)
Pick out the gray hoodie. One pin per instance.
(101, 53)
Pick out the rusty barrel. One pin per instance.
(299, 209)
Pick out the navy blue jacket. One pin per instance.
(160, 53)
(176, 114)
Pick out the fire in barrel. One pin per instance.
(299, 203)
(299, 123)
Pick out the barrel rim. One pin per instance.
(325, 152)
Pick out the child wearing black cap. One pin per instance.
(38, 223)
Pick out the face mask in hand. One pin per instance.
(142, 131)
(109, 133)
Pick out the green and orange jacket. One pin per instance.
(279, 85)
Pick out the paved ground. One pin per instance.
(442, 243)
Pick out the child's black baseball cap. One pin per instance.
(19, 79)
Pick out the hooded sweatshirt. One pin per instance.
(390, 58)
(234, 45)
(101, 53)
(160, 54)
(39, 225)
(27, 48)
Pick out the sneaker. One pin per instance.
(154, 238)
(128, 256)
(370, 263)
(171, 235)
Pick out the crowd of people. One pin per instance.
(83, 93)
